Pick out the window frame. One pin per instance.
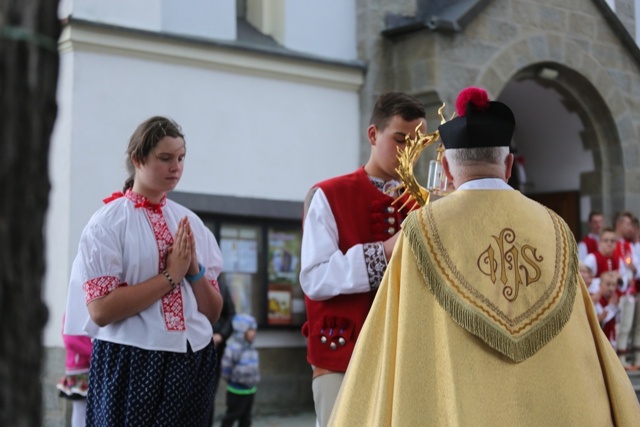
(262, 213)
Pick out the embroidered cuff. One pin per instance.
(99, 287)
(375, 262)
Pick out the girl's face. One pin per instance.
(586, 274)
(608, 286)
(161, 170)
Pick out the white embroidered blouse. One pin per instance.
(125, 243)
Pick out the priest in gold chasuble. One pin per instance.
(482, 318)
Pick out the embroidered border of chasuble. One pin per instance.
(497, 278)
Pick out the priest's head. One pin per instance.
(477, 141)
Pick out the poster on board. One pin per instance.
(279, 296)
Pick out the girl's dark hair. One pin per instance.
(144, 139)
(391, 104)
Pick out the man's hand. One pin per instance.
(217, 339)
(389, 244)
(603, 315)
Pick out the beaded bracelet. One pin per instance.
(197, 276)
(171, 282)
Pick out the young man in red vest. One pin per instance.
(350, 229)
(604, 259)
(589, 244)
(629, 272)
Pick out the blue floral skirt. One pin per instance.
(129, 386)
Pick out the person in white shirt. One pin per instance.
(144, 287)
(350, 228)
(589, 243)
(628, 344)
(635, 225)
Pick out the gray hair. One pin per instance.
(487, 156)
(495, 155)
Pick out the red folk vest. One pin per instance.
(609, 328)
(604, 263)
(623, 252)
(363, 214)
(591, 244)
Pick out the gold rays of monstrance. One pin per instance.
(416, 195)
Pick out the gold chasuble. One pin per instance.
(483, 320)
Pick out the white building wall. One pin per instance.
(199, 18)
(139, 14)
(255, 126)
(636, 35)
(325, 28)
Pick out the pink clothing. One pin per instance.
(78, 353)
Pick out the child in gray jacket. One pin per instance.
(240, 368)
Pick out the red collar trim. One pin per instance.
(138, 200)
(141, 201)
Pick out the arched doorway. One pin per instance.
(568, 142)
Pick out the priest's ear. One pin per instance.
(508, 162)
(446, 167)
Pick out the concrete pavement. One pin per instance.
(302, 419)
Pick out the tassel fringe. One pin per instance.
(476, 323)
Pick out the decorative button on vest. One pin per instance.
(391, 230)
(391, 220)
(390, 209)
(323, 339)
(333, 346)
(342, 341)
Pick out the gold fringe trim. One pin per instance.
(476, 323)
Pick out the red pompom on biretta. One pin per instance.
(476, 95)
(480, 122)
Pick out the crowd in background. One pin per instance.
(610, 267)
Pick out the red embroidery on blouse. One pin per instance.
(172, 305)
(142, 202)
(214, 283)
(113, 197)
(99, 287)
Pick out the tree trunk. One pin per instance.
(29, 30)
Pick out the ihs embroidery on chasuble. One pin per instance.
(508, 279)
(510, 264)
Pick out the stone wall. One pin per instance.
(626, 11)
(508, 39)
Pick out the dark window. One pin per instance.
(261, 267)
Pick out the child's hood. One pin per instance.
(242, 323)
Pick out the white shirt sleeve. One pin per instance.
(590, 261)
(612, 311)
(599, 308)
(635, 260)
(582, 251)
(325, 270)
